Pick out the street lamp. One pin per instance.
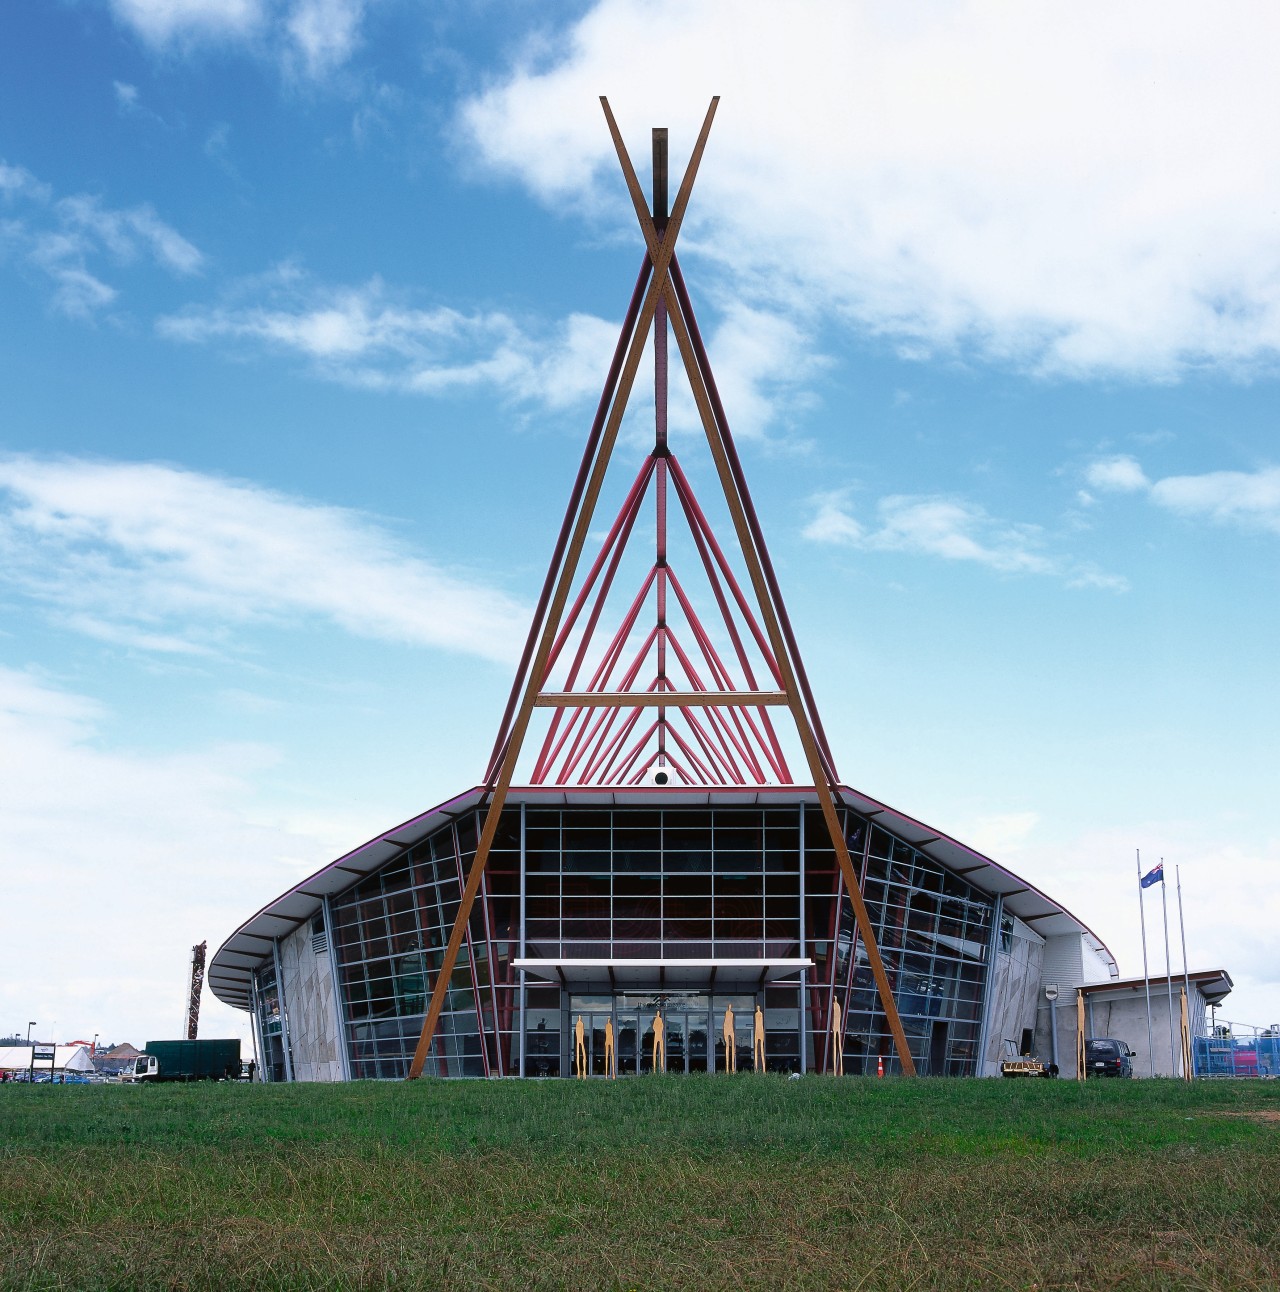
(30, 1025)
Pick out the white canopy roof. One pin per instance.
(231, 967)
(67, 1058)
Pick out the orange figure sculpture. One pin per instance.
(580, 1054)
(659, 1043)
(730, 1041)
(610, 1061)
(757, 1049)
(837, 1039)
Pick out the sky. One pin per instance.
(304, 310)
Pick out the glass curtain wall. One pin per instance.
(933, 930)
(270, 1023)
(649, 883)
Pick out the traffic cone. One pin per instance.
(880, 1066)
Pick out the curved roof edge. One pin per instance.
(232, 965)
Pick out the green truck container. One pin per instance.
(213, 1060)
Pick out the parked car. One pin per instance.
(1104, 1056)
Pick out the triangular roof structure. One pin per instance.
(67, 1058)
(673, 703)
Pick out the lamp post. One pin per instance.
(30, 1025)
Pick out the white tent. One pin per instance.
(67, 1058)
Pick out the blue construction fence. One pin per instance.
(1237, 1056)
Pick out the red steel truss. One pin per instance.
(661, 704)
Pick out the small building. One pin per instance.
(118, 1059)
(1119, 1009)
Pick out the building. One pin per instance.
(612, 904)
(662, 854)
(1119, 1009)
(115, 1060)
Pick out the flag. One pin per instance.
(1154, 876)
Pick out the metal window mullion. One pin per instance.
(335, 970)
(255, 1024)
(804, 973)
(879, 931)
(833, 957)
(284, 1012)
(524, 987)
(988, 1002)
(486, 915)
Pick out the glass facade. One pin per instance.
(664, 882)
(271, 1025)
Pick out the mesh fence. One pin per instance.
(1237, 1056)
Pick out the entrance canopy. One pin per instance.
(682, 974)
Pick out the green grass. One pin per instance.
(670, 1182)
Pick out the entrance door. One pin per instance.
(938, 1049)
(628, 1033)
(696, 1040)
(677, 1022)
(744, 1008)
(693, 1031)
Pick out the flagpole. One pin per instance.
(1182, 930)
(1146, 977)
(1168, 970)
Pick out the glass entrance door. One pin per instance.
(693, 1031)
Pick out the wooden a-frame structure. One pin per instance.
(736, 743)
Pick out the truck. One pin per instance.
(211, 1060)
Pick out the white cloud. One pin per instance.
(17, 179)
(951, 528)
(311, 36)
(367, 336)
(371, 337)
(932, 526)
(162, 21)
(325, 32)
(833, 522)
(62, 237)
(1248, 499)
(1010, 182)
(127, 233)
(762, 362)
(125, 859)
(163, 559)
(957, 531)
(1121, 474)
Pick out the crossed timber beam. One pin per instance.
(659, 285)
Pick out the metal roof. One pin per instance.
(231, 967)
(1214, 984)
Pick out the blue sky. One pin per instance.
(304, 307)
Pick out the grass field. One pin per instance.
(666, 1182)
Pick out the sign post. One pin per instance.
(43, 1052)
